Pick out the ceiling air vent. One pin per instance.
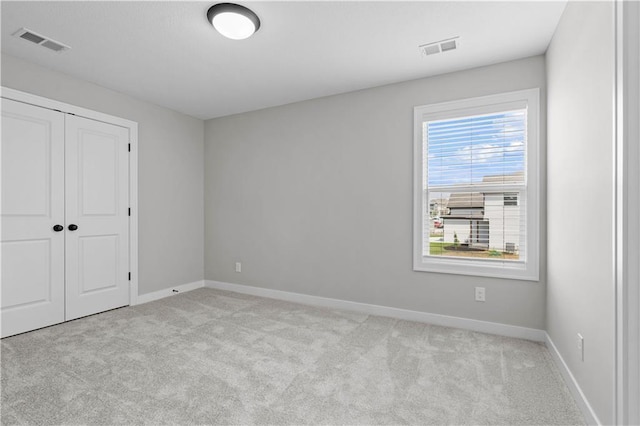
(40, 40)
(439, 46)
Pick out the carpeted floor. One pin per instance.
(216, 357)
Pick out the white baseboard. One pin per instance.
(587, 411)
(385, 311)
(161, 294)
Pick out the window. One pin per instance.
(511, 199)
(476, 186)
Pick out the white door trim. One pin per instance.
(40, 101)
(627, 208)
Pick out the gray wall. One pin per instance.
(316, 198)
(580, 66)
(170, 171)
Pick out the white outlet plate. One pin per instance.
(480, 294)
(238, 267)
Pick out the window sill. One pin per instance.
(514, 270)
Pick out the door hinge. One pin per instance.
(129, 147)
(129, 276)
(129, 211)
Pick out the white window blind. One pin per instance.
(477, 206)
(473, 164)
(469, 150)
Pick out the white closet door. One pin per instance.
(32, 290)
(97, 203)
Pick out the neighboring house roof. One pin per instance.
(466, 200)
(517, 177)
(475, 200)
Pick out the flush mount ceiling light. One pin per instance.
(233, 21)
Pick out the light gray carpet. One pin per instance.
(216, 357)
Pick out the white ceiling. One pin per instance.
(168, 54)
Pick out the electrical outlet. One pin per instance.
(480, 294)
(581, 346)
(238, 267)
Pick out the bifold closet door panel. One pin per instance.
(32, 290)
(97, 203)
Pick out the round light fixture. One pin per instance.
(233, 21)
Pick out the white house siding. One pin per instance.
(459, 226)
(504, 221)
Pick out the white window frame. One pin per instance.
(527, 269)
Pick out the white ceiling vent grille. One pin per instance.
(40, 40)
(439, 46)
